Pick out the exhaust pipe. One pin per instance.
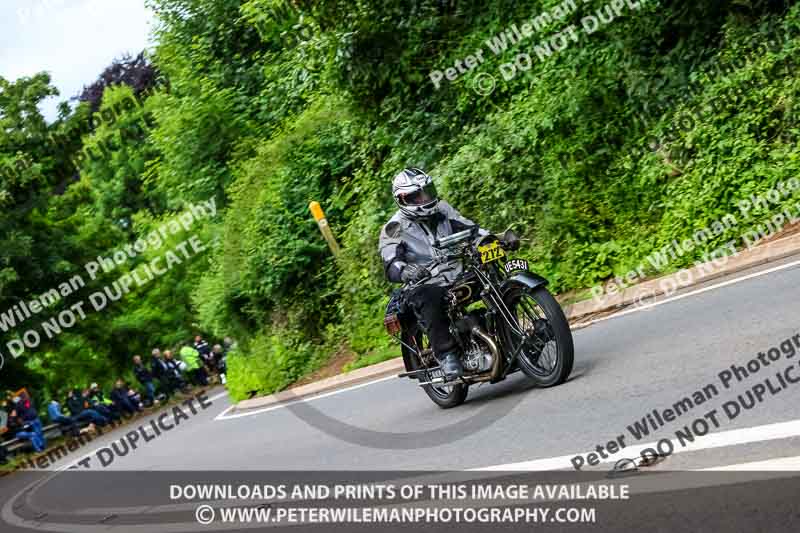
(496, 367)
(494, 374)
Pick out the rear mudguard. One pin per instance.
(409, 360)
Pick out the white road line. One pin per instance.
(224, 416)
(690, 293)
(769, 465)
(218, 396)
(734, 437)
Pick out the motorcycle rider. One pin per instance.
(406, 247)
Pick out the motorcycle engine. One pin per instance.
(477, 357)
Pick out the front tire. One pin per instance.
(548, 353)
(445, 397)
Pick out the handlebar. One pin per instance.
(455, 238)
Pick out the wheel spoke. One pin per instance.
(541, 354)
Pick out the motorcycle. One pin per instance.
(501, 314)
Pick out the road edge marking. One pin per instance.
(224, 416)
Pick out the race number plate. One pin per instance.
(515, 264)
(491, 252)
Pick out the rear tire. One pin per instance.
(445, 397)
(548, 358)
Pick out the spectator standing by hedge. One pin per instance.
(194, 366)
(145, 377)
(174, 372)
(228, 345)
(204, 349)
(216, 355)
(162, 371)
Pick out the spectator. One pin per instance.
(174, 372)
(99, 403)
(30, 417)
(68, 424)
(163, 373)
(78, 407)
(135, 397)
(122, 401)
(3, 417)
(194, 366)
(217, 354)
(204, 350)
(222, 368)
(20, 429)
(145, 377)
(228, 344)
(3, 431)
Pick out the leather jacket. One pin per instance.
(407, 241)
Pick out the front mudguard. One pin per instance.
(526, 279)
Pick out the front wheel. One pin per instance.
(445, 396)
(541, 335)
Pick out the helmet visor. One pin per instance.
(423, 196)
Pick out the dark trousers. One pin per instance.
(68, 425)
(126, 406)
(107, 412)
(198, 376)
(430, 309)
(90, 415)
(169, 383)
(149, 392)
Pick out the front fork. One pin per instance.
(499, 311)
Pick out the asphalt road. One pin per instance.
(625, 367)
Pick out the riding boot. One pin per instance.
(451, 365)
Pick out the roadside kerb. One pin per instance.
(757, 256)
(348, 379)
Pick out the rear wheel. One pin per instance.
(445, 396)
(546, 353)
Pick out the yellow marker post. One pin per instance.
(324, 227)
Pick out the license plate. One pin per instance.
(515, 264)
(491, 252)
